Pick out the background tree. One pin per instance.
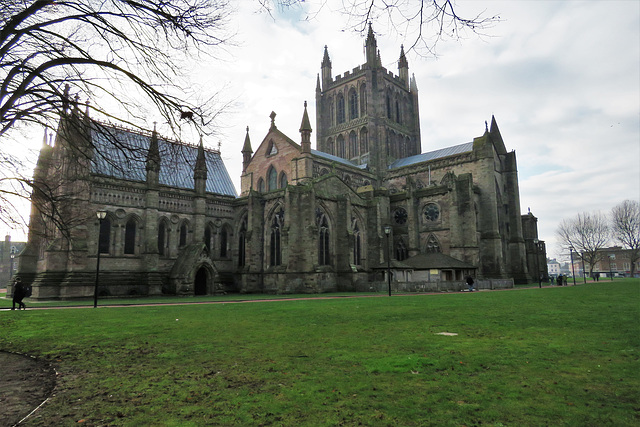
(587, 233)
(625, 228)
(420, 23)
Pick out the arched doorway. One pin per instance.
(200, 283)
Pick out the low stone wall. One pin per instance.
(439, 286)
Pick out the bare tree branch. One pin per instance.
(587, 234)
(625, 228)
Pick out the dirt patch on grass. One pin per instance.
(24, 384)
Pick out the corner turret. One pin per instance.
(326, 68)
(247, 151)
(200, 171)
(153, 160)
(305, 131)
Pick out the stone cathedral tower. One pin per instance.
(368, 115)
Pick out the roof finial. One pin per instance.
(273, 119)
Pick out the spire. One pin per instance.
(326, 67)
(201, 164)
(153, 155)
(318, 87)
(403, 67)
(413, 86)
(200, 171)
(45, 141)
(371, 47)
(305, 131)
(247, 151)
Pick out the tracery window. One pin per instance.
(283, 180)
(357, 243)
(275, 247)
(353, 104)
(431, 212)
(353, 144)
(340, 147)
(207, 238)
(183, 235)
(323, 237)
(401, 250)
(261, 185)
(400, 216)
(363, 99)
(340, 112)
(130, 237)
(432, 244)
(364, 141)
(163, 238)
(272, 179)
(223, 242)
(242, 243)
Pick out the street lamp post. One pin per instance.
(611, 257)
(584, 273)
(573, 273)
(101, 216)
(535, 253)
(11, 258)
(387, 231)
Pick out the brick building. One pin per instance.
(306, 220)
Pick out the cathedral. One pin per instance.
(364, 210)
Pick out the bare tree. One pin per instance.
(421, 23)
(131, 55)
(625, 228)
(587, 234)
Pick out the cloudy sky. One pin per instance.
(562, 79)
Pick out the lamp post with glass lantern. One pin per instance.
(387, 231)
(535, 253)
(611, 257)
(573, 273)
(101, 216)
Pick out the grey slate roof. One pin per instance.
(432, 155)
(123, 154)
(333, 158)
(439, 260)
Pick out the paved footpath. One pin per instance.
(232, 300)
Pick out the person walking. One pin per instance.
(19, 292)
(560, 278)
(470, 283)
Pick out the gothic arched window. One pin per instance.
(398, 115)
(272, 179)
(340, 149)
(207, 237)
(261, 185)
(242, 243)
(283, 180)
(223, 242)
(364, 141)
(363, 99)
(340, 112)
(389, 105)
(357, 244)
(130, 237)
(104, 238)
(330, 147)
(432, 244)
(275, 248)
(323, 237)
(353, 144)
(183, 235)
(401, 250)
(163, 238)
(353, 104)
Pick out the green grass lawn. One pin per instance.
(552, 356)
